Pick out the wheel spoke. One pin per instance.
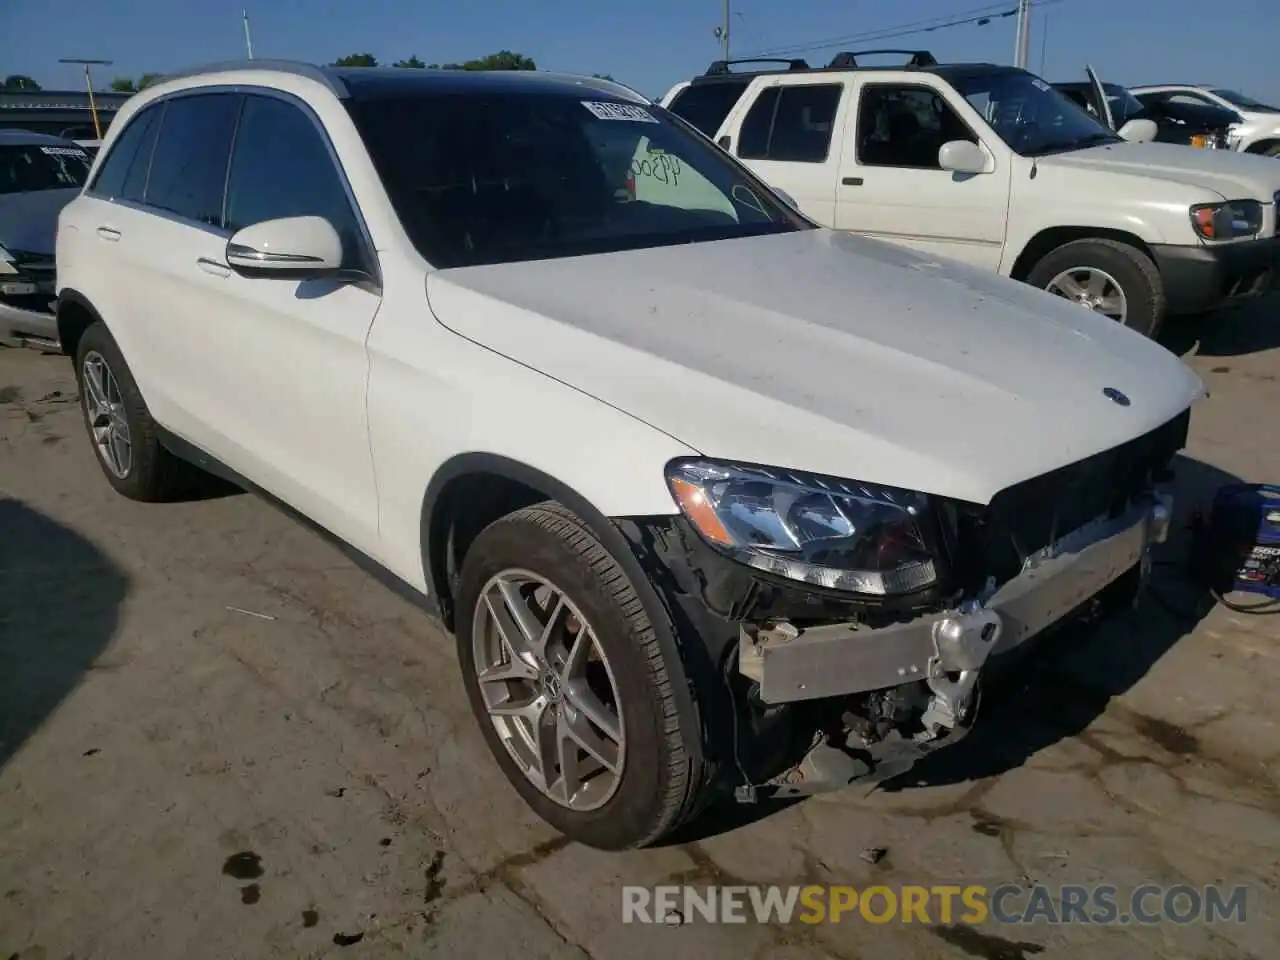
(1097, 283)
(546, 748)
(582, 698)
(530, 708)
(95, 394)
(605, 752)
(1069, 287)
(509, 671)
(1111, 306)
(118, 450)
(522, 625)
(571, 777)
(513, 638)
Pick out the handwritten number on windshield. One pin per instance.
(662, 167)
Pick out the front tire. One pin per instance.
(1112, 278)
(120, 426)
(566, 677)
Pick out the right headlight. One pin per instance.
(6, 261)
(837, 534)
(1227, 221)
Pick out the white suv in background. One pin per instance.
(990, 165)
(688, 478)
(1260, 132)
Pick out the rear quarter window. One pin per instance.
(706, 105)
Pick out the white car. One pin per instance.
(1260, 131)
(689, 480)
(990, 165)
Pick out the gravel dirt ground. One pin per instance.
(219, 738)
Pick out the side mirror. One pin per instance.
(962, 156)
(787, 198)
(1139, 131)
(297, 248)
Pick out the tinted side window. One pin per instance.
(189, 166)
(900, 126)
(705, 105)
(282, 168)
(124, 171)
(801, 125)
(753, 138)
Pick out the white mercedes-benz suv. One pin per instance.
(715, 502)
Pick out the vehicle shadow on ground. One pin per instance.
(1065, 682)
(59, 605)
(1253, 327)
(1061, 684)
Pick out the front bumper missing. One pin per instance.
(948, 649)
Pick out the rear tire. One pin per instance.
(657, 779)
(1065, 269)
(124, 436)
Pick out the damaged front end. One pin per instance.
(828, 685)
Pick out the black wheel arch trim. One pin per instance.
(69, 296)
(655, 605)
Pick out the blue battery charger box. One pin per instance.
(1241, 538)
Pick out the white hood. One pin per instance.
(829, 353)
(1232, 175)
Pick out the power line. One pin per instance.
(978, 15)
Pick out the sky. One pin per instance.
(649, 45)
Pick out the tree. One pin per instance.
(413, 63)
(17, 81)
(127, 84)
(502, 60)
(357, 60)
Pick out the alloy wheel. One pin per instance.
(549, 689)
(1094, 289)
(105, 411)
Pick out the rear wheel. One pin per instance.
(1108, 277)
(569, 684)
(120, 426)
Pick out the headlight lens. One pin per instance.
(6, 262)
(1227, 221)
(836, 534)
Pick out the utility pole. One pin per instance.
(88, 82)
(1022, 44)
(248, 41)
(724, 39)
(721, 33)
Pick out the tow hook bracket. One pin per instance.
(962, 644)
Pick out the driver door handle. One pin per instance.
(852, 181)
(213, 267)
(109, 233)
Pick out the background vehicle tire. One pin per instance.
(1109, 274)
(120, 426)
(519, 563)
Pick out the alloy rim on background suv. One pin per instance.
(549, 689)
(1092, 288)
(105, 412)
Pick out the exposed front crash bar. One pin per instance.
(832, 660)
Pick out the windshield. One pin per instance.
(29, 167)
(497, 177)
(1246, 103)
(1029, 115)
